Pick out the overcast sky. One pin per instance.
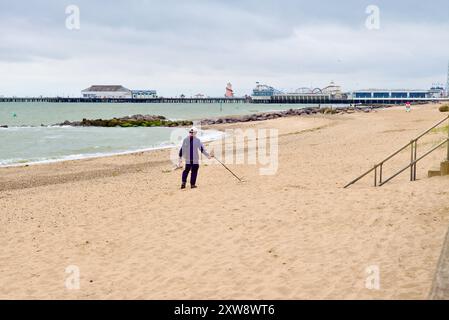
(195, 47)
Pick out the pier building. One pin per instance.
(107, 92)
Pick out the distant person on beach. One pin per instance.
(189, 151)
(407, 107)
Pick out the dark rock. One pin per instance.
(137, 120)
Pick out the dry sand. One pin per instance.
(295, 235)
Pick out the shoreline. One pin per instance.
(83, 157)
(75, 157)
(140, 120)
(209, 123)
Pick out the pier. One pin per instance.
(124, 100)
(276, 99)
(322, 99)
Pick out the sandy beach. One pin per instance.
(293, 235)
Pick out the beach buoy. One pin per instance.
(14, 115)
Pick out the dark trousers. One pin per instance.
(193, 175)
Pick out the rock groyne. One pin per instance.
(160, 121)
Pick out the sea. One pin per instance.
(32, 136)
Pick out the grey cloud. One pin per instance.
(181, 46)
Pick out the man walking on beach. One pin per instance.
(189, 151)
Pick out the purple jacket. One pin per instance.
(189, 150)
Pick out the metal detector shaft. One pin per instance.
(228, 169)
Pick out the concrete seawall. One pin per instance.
(440, 285)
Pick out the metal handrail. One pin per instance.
(414, 146)
(414, 162)
(428, 130)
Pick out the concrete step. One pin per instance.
(434, 173)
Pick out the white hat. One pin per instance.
(193, 130)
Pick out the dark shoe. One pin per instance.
(193, 187)
(183, 186)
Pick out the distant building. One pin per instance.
(106, 91)
(262, 91)
(229, 92)
(333, 90)
(144, 94)
(437, 91)
(390, 94)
